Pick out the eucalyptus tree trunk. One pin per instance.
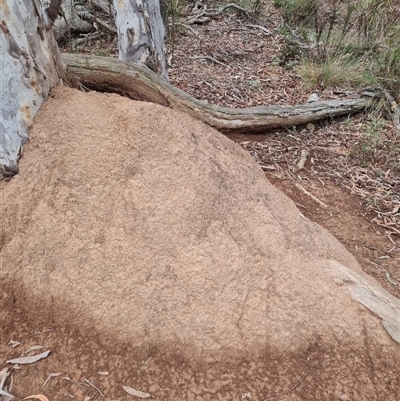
(30, 65)
(141, 33)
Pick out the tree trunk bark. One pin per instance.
(141, 33)
(30, 66)
(139, 83)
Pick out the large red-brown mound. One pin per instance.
(161, 232)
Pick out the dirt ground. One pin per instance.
(90, 367)
(346, 216)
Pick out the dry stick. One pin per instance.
(395, 230)
(204, 15)
(301, 188)
(387, 274)
(287, 391)
(41, 332)
(92, 385)
(88, 36)
(106, 26)
(187, 27)
(265, 30)
(199, 20)
(230, 5)
(3, 376)
(303, 160)
(209, 58)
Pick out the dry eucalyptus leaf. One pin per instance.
(40, 397)
(6, 396)
(3, 377)
(33, 348)
(11, 385)
(29, 359)
(50, 376)
(14, 343)
(136, 393)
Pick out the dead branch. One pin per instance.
(199, 20)
(140, 83)
(313, 197)
(88, 16)
(209, 58)
(186, 27)
(202, 15)
(265, 30)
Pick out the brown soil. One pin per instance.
(347, 216)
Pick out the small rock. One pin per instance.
(310, 128)
(313, 98)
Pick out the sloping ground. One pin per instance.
(144, 244)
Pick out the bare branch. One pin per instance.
(140, 83)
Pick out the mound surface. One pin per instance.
(161, 232)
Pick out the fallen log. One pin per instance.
(139, 83)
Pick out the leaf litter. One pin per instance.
(29, 359)
(136, 393)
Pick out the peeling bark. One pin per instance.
(140, 83)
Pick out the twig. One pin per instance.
(86, 15)
(144, 365)
(50, 376)
(231, 5)
(92, 385)
(303, 160)
(391, 281)
(204, 15)
(8, 395)
(187, 27)
(387, 274)
(267, 168)
(313, 197)
(209, 58)
(199, 20)
(3, 377)
(267, 31)
(287, 391)
(394, 230)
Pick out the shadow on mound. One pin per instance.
(345, 371)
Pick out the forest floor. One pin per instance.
(350, 184)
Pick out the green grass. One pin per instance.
(331, 37)
(338, 72)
